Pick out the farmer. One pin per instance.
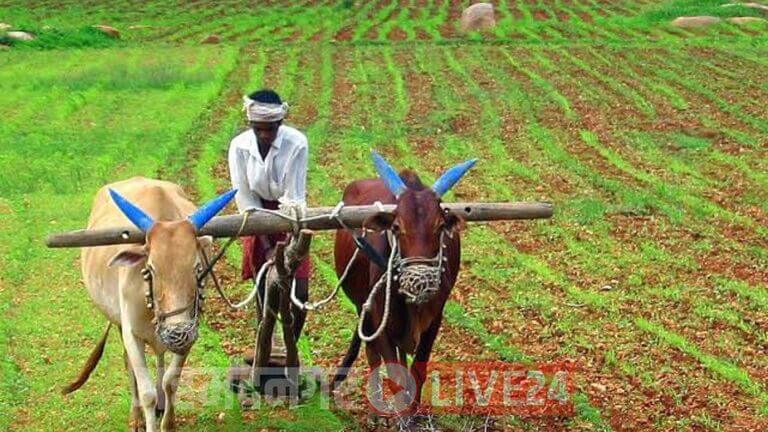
(268, 166)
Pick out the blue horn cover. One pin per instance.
(132, 212)
(388, 174)
(210, 209)
(451, 177)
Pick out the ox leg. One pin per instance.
(397, 371)
(423, 351)
(136, 419)
(375, 390)
(144, 383)
(170, 385)
(160, 407)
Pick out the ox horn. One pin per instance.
(136, 215)
(210, 209)
(451, 177)
(388, 174)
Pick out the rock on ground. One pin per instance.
(748, 5)
(745, 20)
(107, 30)
(21, 36)
(695, 21)
(479, 16)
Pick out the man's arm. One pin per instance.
(296, 176)
(244, 198)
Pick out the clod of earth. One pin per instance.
(479, 16)
(211, 39)
(107, 30)
(748, 5)
(746, 20)
(695, 21)
(21, 36)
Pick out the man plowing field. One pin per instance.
(268, 166)
(399, 278)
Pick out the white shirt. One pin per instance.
(282, 176)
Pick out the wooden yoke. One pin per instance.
(316, 219)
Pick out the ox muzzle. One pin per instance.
(419, 277)
(178, 336)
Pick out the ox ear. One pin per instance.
(206, 242)
(451, 177)
(453, 222)
(379, 222)
(128, 257)
(208, 210)
(388, 174)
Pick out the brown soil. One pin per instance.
(397, 34)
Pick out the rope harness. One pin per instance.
(418, 277)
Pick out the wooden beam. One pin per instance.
(265, 223)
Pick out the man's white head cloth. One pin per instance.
(264, 112)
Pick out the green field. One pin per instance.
(650, 140)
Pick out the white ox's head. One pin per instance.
(172, 264)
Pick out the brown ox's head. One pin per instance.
(420, 226)
(173, 262)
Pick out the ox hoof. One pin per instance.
(376, 421)
(246, 403)
(137, 425)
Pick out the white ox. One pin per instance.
(150, 291)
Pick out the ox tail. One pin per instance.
(349, 359)
(90, 365)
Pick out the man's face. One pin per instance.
(266, 132)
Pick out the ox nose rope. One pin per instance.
(386, 277)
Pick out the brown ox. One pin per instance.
(421, 284)
(152, 292)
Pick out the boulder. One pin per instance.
(21, 36)
(4, 27)
(107, 30)
(695, 21)
(211, 39)
(748, 5)
(746, 20)
(479, 16)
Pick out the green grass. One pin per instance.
(48, 324)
